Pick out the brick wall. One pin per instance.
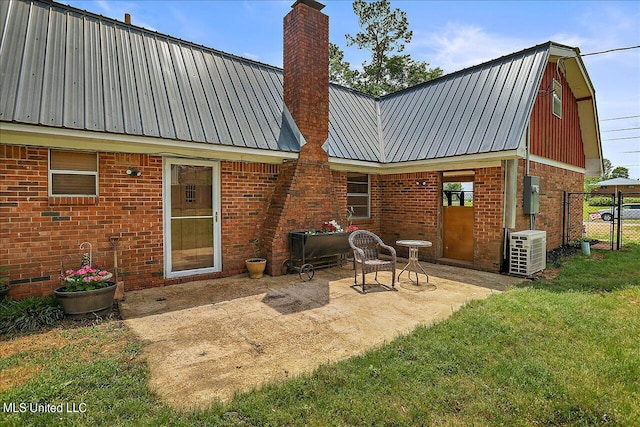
(488, 203)
(246, 189)
(303, 197)
(410, 210)
(553, 182)
(38, 231)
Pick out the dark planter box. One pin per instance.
(305, 246)
(82, 303)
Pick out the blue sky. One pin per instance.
(448, 34)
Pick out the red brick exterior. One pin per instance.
(488, 205)
(411, 210)
(246, 189)
(304, 192)
(553, 182)
(37, 231)
(306, 76)
(265, 201)
(303, 197)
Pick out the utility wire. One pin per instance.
(610, 50)
(619, 130)
(618, 139)
(619, 118)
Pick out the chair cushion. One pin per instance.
(377, 262)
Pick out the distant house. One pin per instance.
(613, 186)
(185, 154)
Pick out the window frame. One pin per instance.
(556, 99)
(367, 194)
(51, 172)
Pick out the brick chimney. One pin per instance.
(306, 73)
(303, 196)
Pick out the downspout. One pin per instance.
(527, 168)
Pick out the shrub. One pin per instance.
(30, 314)
(600, 201)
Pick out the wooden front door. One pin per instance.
(457, 218)
(457, 234)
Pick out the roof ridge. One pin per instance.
(155, 33)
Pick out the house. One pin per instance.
(615, 185)
(180, 155)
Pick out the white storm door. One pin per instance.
(191, 217)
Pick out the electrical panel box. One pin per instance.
(531, 203)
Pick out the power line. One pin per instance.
(619, 130)
(610, 50)
(618, 139)
(619, 118)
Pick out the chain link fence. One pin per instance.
(607, 221)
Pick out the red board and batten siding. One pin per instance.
(556, 138)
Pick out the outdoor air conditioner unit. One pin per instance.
(528, 252)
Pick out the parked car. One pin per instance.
(629, 211)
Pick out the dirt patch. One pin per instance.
(201, 347)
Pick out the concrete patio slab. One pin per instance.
(207, 340)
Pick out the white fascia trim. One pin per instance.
(472, 161)
(20, 134)
(556, 164)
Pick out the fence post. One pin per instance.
(619, 208)
(564, 217)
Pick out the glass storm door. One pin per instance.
(191, 218)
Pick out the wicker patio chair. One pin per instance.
(366, 246)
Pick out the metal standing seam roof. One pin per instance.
(477, 110)
(67, 68)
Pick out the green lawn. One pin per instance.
(562, 352)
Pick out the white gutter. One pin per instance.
(40, 136)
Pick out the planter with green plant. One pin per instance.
(256, 264)
(87, 290)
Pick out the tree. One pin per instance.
(607, 168)
(453, 186)
(382, 32)
(339, 70)
(619, 172)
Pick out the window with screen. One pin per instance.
(358, 194)
(73, 173)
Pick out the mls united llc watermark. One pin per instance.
(40, 407)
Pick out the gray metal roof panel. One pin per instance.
(53, 68)
(131, 105)
(11, 54)
(68, 68)
(73, 101)
(353, 125)
(477, 110)
(64, 67)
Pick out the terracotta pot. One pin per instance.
(256, 267)
(86, 302)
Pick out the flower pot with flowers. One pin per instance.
(86, 290)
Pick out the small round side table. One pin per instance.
(413, 265)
